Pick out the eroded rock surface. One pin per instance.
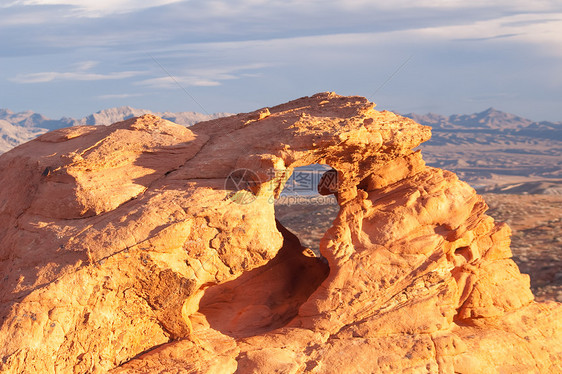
(146, 246)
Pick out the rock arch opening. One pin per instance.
(269, 297)
(303, 209)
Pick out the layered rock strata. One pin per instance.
(146, 246)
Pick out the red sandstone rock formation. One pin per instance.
(124, 248)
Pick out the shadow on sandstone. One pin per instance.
(267, 297)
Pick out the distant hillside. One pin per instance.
(12, 135)
(17, 128)
(490, 121)
(493, 147)
(109, 116)
(485, 149)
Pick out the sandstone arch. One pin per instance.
(109, 255)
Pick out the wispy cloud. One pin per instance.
(534, 21)
(171, 82)
(205, 77)
(519, 27)
(118, 96)
(97, 8)
(80, 73)
(9, 4)
(486, 38)
(73, 76)
(519, 5)
(86, 65)
(541, 31)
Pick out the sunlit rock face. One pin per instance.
(146, 246)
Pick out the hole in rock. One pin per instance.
(464, 252)
(303, 210)
(269, 297)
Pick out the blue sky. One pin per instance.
(75, 57)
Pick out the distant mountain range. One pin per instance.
(494, 148)
(487, 148)
(17, 128)
(490, 121)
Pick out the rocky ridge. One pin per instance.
(127, 250)
(17, 128)
(536, 240)
(486, 149)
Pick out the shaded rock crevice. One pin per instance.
(241, 308)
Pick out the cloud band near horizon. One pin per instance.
(239, 55)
